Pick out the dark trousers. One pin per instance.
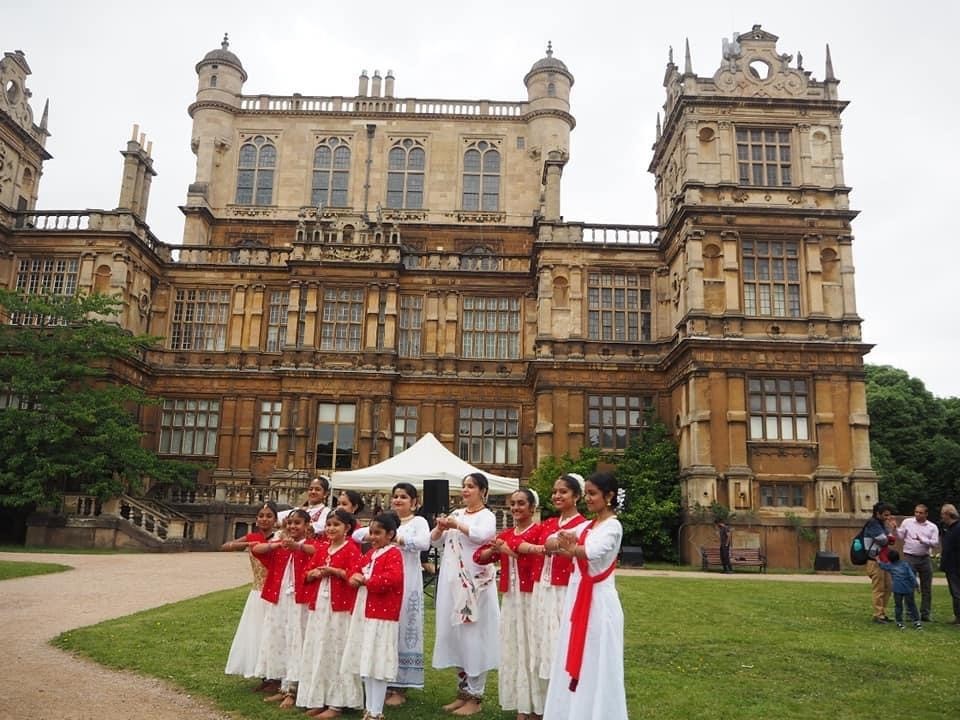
(953, 582)
(725, 558)
(898, 600)
(924, 569)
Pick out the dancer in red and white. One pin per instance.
(587, 676)
(286, 614)
(519, 684)
(242, 659)
(373, 634)
(550, 591)
(322, 689)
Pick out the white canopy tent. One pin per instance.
(426, 459)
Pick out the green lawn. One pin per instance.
(694, 648)
(13, 569)
(65, 550)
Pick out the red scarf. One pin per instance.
(580, 616)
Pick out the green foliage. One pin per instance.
(692, 648)
(647, 474)
(70, 423)
(550, 468)
(914, 440)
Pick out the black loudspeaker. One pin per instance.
(436, 497)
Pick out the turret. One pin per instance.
(220, 78)
(550, 122)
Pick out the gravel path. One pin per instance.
(41, 682)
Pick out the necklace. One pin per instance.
(517, 530)
(468, 511)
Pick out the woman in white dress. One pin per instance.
(413, 538)
(519, 686)
(326, 692)
(372, 638)
(550, 592)
(242, 659)
(587, 676)
(467, 612)
(285, 618)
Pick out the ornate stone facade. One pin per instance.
(358, 270)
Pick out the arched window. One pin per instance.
(331, 173)
(479, 258)
(258, 158)
(406, 164)
(213, 81)
(481, 177)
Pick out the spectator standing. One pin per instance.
(878, 535)
(950, 555)
(920, 537)
(726, 542)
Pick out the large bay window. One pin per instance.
(489, 435)
(779, 408)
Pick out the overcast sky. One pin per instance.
(107, 65)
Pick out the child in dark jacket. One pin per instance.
(904, 586)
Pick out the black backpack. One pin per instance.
(858, 549)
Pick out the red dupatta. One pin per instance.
(580, 615)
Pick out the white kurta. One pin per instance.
(600, 692)
(471, 646)
(242, 659)
(518, 684)
(325, 640)
(415, 534)
(281, 643)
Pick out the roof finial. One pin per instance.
(226, 41)
(46, 113)
(549, 48)
(670, 56)
(829, 73)
(687, 64)
(659, 131)
(799, 60)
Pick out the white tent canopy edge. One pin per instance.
(426, 459)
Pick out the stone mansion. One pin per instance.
(357, 270)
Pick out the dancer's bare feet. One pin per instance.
(470, 707)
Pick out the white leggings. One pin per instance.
(376, 692)
(476, 684)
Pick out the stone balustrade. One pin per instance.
(91, 220)
(619, 235)
(405, 106)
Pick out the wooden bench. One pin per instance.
(739, 557)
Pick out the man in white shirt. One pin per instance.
(920, 537)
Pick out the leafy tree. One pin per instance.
(647, 475)
(914, 440)
(66, 421)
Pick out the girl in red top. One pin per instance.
(321, 687)
(519, 685)
(548, 594)
(286, 614)
(242, 659)
(374, 627)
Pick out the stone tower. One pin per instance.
(22, 142)
(550, 122)
(220, 78)
(758, 251)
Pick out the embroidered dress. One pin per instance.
(415, 534)
(242, 659)
(548, 598)
(325, 643)
(518, 685)
(467, 612)
(599, 690)
(371, 642)
(282, 640)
